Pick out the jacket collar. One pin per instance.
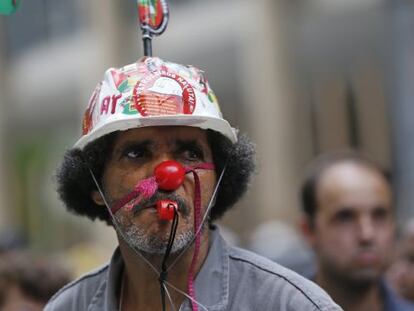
(211, 283)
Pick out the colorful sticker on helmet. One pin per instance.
(212, 97)
(124, 80)
(128, 106)
(205, 89)
(163, 93)
(118, 77)
(87, 123)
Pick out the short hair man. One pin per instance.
(401, 273)
(349, 222)
(156, 160)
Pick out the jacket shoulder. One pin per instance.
(276, 286)
(78, 294)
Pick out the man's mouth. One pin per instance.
(151, 208)
(137, 205)
(367, 258)
(139, 208)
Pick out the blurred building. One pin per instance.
(300, 76)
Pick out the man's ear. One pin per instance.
(97, 198)
(307, 227)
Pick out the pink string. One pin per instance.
(197, 220)
(201, 166)
(146, 189)
(197, 223)
(143, 190)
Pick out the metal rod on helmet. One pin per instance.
(147, 46)
(153, 20)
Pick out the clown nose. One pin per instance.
(166, 209)
(169, 175)
(8, 7)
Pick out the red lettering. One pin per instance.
(115, 99)
(105, 104)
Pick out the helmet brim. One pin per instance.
(203, 122)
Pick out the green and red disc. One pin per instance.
(8, 7)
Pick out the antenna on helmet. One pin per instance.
(153, 20)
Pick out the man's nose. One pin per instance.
(169, 175)
(156, 161)
(366, 229)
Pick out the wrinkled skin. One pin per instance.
(135, 154)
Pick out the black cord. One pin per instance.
(164, 272)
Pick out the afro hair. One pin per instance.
(75, 183)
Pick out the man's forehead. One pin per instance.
(353, 186)
(167, 134)
(351, 177)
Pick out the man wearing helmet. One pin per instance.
(158, 162)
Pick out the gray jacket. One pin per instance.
(230, 279)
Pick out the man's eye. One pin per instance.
(380, 214)
(135, 153)
(193, 155)
(344, 216)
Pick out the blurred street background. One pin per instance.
(300, 77)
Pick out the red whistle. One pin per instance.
(169, 175)
(166, 209)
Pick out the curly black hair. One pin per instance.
(75, 183)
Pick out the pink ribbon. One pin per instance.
(147, 187)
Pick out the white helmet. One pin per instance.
(152, 92)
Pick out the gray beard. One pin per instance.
(153, 244)
(140, 240)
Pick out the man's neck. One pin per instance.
(351, 297)
(141, 286)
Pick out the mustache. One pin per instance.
(183, 207)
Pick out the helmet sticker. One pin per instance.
(109, 102)
(87, 123)
(137, 94)
(163, 93)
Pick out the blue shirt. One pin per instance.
(393, 302)
(230, 279)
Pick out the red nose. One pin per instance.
(166, 209)
(169, 175)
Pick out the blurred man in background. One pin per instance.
(28, 281)
(401, 273)
(349, 221)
